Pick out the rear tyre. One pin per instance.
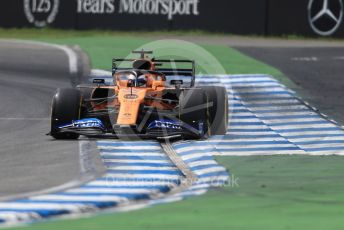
(218, 109)
(194, 113)
(65, 109)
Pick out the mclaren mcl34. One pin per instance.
(144, 98)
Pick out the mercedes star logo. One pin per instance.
(325, 16)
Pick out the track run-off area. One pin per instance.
(265, 118)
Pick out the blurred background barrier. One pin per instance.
(256, 17)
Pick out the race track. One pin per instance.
(266, 118)
(31, 161)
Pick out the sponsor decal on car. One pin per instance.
(130, 96)
(167, 124)
(84, 123)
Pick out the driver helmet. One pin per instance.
(141, 80)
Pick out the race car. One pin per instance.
(143, 98)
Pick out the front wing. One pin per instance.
(157, 129)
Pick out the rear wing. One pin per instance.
(169, 67)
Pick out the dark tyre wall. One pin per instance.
(233, 16)
(259, 17)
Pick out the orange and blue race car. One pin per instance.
(146, 98)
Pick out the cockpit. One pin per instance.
(139, 78)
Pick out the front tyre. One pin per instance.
(65, 109)
(218, 109)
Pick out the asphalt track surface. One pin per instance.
(317, 72)
(30, 160)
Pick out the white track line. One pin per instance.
(72, 56)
